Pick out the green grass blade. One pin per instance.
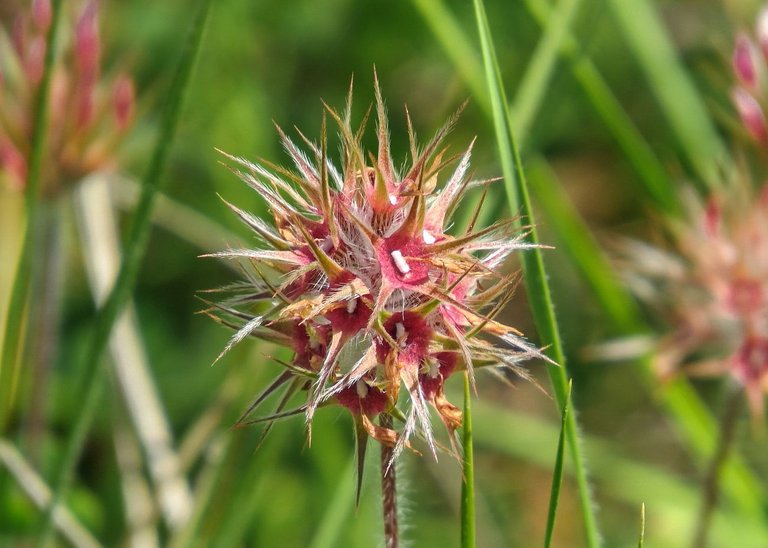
(138, 236)
(656, 181)
(340, 506)
(669, 498)
(582, 249)
(536, 80)
(654, 178)
(641, 539)
(457, 46)
(670, 83)
(15, 320)
(533, 266)
(468, 481)
(683, 405)
(557, 473)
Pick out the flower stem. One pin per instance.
(468, 485)
(388, 490)
(711, 487)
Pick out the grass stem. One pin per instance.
(534, 274)
(711, 486)
(468, 537)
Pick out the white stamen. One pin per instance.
(327, 245)
(392, 199)
(400, 262)
(351, 305)
(400, 334)
(362, 389)
(427, 237)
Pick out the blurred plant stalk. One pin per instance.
(98, 235)
(33, 485)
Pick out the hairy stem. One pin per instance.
(711, 487)
(388, 490)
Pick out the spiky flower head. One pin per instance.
(88, 115)
(357, 275)
(712, 288)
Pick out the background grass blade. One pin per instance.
(672, 86)
(468, 481)
(340, 506)
(457, 46)
(654, 179)
(557, 473)
(138, 236)
(36, 489)
(100, 244)
(15, 320)
(533, 87)
(641, 538)
(533, 267)
(670, 500)
(577, 242)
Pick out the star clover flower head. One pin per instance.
(357, 274)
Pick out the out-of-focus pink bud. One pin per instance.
(745, 296)
(85, 106)
(13, 163)
(87, 41)
(761, 29)
(60, 102)
(19, 36)
(35, 60)
(124, 99)
(751, 114)
(41, 14)
(745, 62)
(751, 360)
(712, 218)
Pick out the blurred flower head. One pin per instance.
(712, 290)
(356, 274)
(89, 114)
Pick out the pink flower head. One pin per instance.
(88, 116)
(358, 275)
(713, 288)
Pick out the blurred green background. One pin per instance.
(274, 61)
